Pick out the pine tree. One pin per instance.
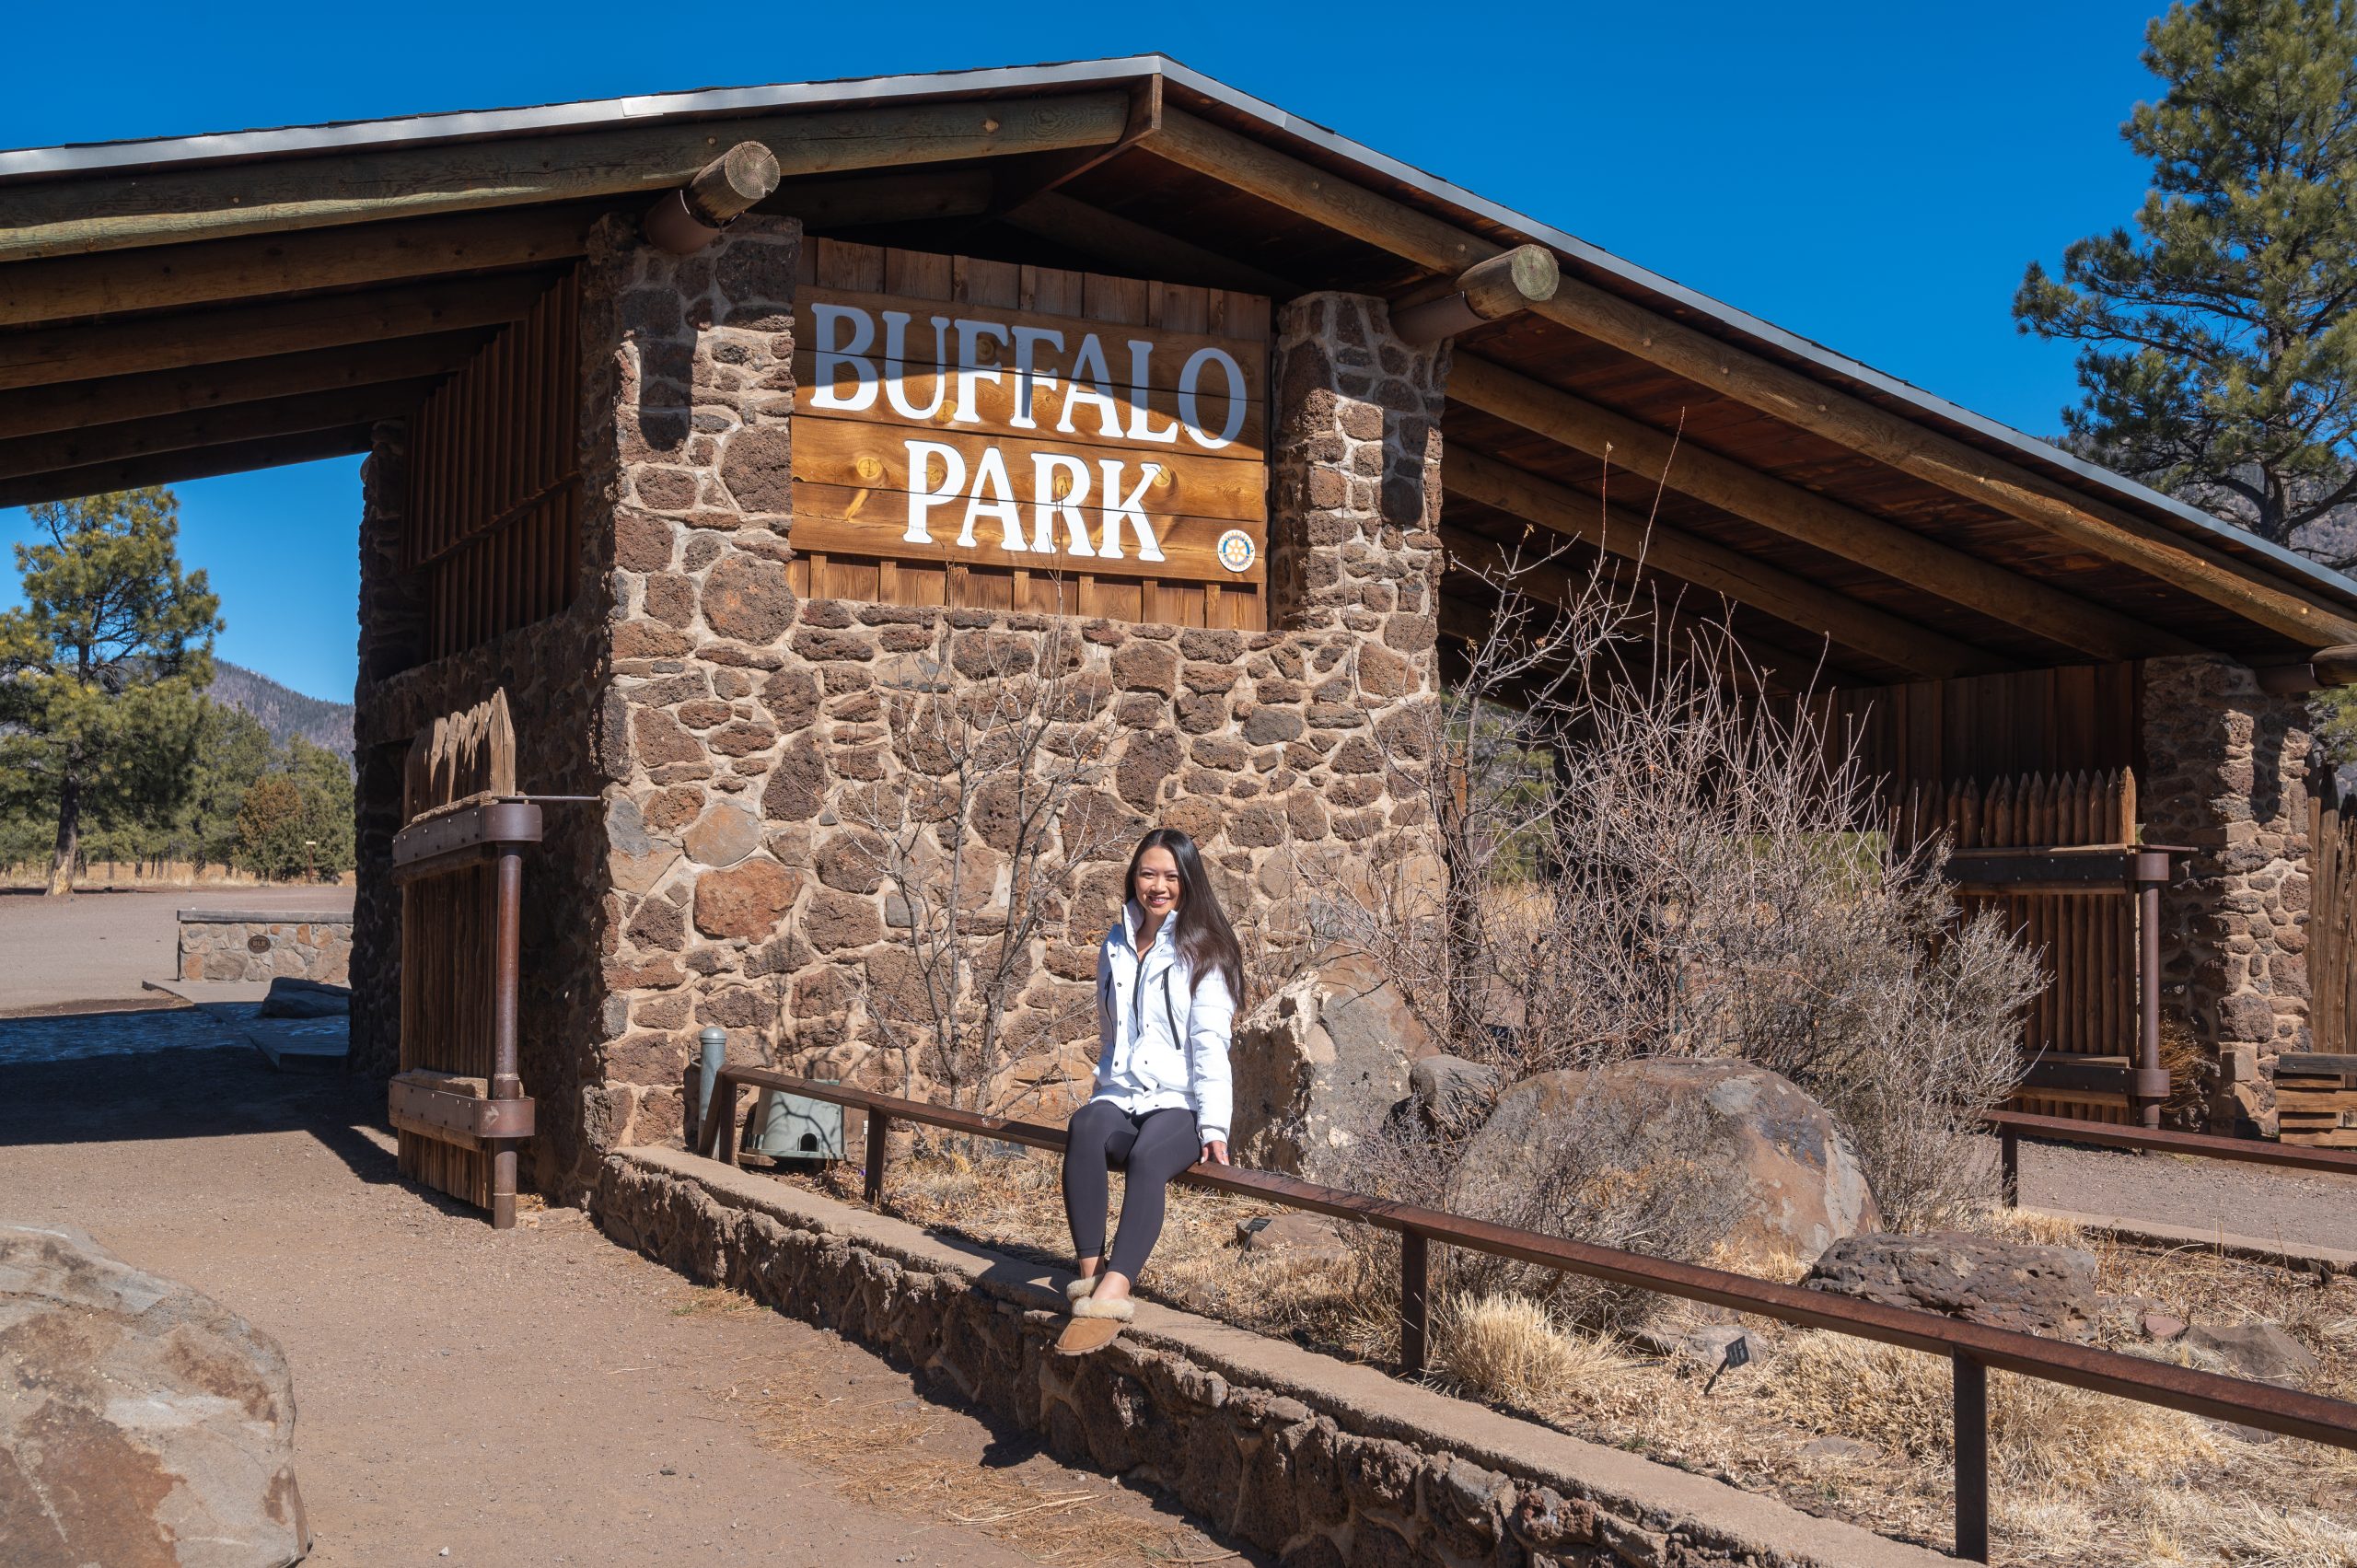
(2220, 345)
(101, 671)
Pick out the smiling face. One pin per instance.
(1156, 887)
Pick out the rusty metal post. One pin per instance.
(1972, 1458)
(2009, 1166)
(1414, 1306)
(504, 1082)
(878, 1127)
(2148, 1000)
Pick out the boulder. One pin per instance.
(1294, 1238)
(291, 998)
(1805, 1188)
(1450, 1094)
(2260, 1351)
(1320, 1062)
(145, 1426)
(2007, 1284)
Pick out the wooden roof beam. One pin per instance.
(65, 218)
(216, 271)
(1433, 243)
(34, 455)
(171, 468)
(1714, 567)
(1547, 582)
(1135, 248)
(65, 354)
(113, 399)
(858, 201)
(1506, 284)
(1897, 552)
(684, 221)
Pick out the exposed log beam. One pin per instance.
(684, 221)
(70, 216)
(1506, 284)
(56, 354)
(824, 205)
(1895, 551)
(171, 468)
(111, 400)
(1549, 583)
(102, 443)
(215, 270)
(1942, 460)
(1713, 567)
(1136, 249)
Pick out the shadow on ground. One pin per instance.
(138, 1074)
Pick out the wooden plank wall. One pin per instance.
(2079, 718)
(450, 923)
(2086, 947)
(837, 264)
(494, 511)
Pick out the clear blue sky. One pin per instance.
(1870, 176)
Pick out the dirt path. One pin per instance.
(538, 1397)
(2205, 1195)
(98, 945)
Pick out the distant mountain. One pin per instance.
(283, 712)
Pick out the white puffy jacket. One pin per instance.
(1162, 1031)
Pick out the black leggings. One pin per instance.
(1149, 1150)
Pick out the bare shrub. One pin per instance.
(983, 855)
(1650, 851)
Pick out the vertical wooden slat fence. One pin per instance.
(2087, 1012)
(2332, 917)
(494, 506)
(458, 980)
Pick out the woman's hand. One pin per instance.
(1216, 1151)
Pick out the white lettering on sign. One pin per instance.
(1033, 434)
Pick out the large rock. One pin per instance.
(1319, 1062)
(2007, 1284)
(1451, 1095)
(292, 998)
(2256, 1350)
(144, 1426)
(1804, 1187)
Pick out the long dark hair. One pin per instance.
(1201, 929)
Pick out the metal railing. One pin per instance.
(1971, 1348)
(2011, 1126)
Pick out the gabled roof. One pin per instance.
(1177, 171)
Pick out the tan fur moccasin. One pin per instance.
(1119, 1309)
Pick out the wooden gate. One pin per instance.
(2332, 913)
(2083, 1031)
(457, 1104)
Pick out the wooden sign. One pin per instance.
(964, 434)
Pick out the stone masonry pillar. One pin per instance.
(2225, 774)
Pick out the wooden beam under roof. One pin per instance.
(70, 216)
(171, 468)
(111, 400)
(1548, 582)
(857, 203)
(2184, 563)
(33, 455)
(1714, 567)
(53, 355)
(1136, 249)
(1815, 520)
(216, 271)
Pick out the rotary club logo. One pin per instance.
(1236, 550)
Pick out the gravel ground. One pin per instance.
(2204, 1195)
(98, 945)
(536, 1397)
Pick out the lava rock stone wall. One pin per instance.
(2227, 775)
(754, 742)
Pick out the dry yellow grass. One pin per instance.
(2079, 1478)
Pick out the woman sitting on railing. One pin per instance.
(1169, 977)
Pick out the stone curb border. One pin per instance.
(262, 917)
(1315, 1460)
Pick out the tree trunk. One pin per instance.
(69, 837)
